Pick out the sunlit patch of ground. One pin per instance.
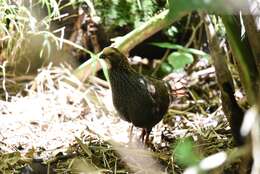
(53, 113)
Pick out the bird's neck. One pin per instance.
(121, 68)
(116, 72)
(120, 75)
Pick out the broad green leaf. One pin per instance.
(180, 59)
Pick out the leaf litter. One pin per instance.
(57, 115)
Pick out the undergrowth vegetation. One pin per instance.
(56, 110)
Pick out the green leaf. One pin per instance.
(167, 45)
(180, 59)
(180, 48)
(200, 53)
(197, 52)
(220, 6)
(184, 153)
(165, 68)
(171, 4)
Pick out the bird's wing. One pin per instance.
(159, 92)
(150, 87)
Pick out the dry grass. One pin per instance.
(55, 107)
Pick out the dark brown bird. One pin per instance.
(139, 99)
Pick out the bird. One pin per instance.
(140, 100)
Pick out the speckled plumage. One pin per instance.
(140, 100)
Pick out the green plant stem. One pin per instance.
(155, 24)
(244, 57)
(178, 9)
(135, 37)
(163, 59)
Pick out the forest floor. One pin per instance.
(74, 127)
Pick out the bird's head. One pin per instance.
(114, 57)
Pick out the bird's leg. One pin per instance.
(131, 133)
(145, 135)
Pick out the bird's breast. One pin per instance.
(136, 100)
